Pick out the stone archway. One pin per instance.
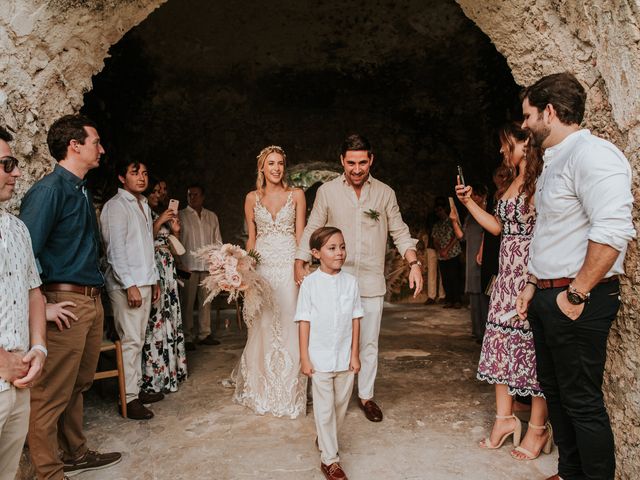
(50, 51)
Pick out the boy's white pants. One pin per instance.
(331, 393)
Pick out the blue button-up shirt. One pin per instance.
(58, 211)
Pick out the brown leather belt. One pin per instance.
(564, 282)
(87, 291)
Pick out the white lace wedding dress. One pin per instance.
(268, 378)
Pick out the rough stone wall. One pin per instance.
(49, 50)
(598, 41)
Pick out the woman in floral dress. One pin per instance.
(508, 358)
(164, 362)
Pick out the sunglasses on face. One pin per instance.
(9, 163)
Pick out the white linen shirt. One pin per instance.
(18, 275)
(329, 303)
(583, 193)
(127, 233)
(197, 231)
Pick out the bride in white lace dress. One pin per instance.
(268, 378)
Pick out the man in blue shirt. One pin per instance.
(61, 219)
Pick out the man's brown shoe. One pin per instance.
(137, 411)
(150, 397)
(90, 461)
(554, 477)
(333, 471)
(371, 410)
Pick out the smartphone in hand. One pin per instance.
(461, 175)
(173, 205)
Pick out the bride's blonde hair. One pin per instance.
(262, 156)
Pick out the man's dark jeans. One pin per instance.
(570, 357)
(451, 271)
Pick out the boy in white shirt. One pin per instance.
(328, 316)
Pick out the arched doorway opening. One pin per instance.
(198, 90)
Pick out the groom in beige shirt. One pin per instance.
(366, 210)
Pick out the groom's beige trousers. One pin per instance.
(369, 333)
(331, 393)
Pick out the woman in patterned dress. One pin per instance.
(268, 378)
(164, 361)
(508, 358)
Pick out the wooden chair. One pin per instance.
(108, 345)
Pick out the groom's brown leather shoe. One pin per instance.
(333, 471)
(554, 477)
(371, 410)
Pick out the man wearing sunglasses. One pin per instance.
(59, 212)
(22, 323)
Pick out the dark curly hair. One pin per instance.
(510, 134)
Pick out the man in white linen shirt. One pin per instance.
(583, 201)
(131, 277)
(366, 210)
(22, 320)
(200, 227)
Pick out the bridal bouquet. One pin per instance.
(233, 270)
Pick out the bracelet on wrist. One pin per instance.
(40, 348)
(529, 282)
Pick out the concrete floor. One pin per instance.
(435, 413)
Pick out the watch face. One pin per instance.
(574, 298)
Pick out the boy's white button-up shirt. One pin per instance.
(329, 303)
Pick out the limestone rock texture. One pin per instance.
(49, 50)
(598, 41)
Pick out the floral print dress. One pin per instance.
(508, 354)
(164, 361)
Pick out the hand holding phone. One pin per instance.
(461, 176)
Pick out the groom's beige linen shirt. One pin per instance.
(338, 206)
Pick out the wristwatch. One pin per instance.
(415, 262)
(575, 297)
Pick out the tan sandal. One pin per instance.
(546, 448)
(516, 432)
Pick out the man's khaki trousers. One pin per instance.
(435, 290)
(131, 325)
(331, 393)
(191, 291)
(56, 398)
(14, 423)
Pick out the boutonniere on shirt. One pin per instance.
(373, 214)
